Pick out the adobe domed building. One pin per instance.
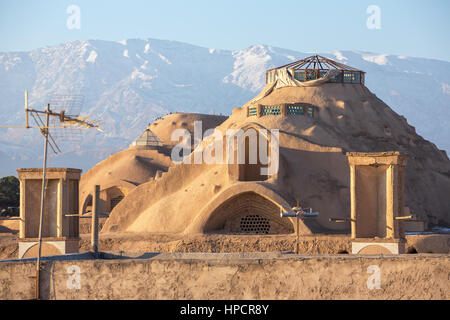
(322, 110)
(146, 159)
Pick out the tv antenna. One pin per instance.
(62, 116)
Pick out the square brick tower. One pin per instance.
(377, 202)
(60, 234)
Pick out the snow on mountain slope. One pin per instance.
(127, 84)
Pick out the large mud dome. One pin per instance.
(313, 167)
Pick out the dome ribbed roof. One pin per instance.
(317, 62)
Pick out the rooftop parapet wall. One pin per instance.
(377, 158)
(52, 173)
(234, 276)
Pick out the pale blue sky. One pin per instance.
(411, 28)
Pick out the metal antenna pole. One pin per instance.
(43, 191)
(65, 122)
(297, 247)
(94, 220)
(298, 213)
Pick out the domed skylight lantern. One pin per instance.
(318, 67)
(147, 139)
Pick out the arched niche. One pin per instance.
(256, 149)
(87, 204)
(248, 213)
(111, 197)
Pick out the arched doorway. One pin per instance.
(87, 204)
(249, 171)
(251, 153)
(108, 199)
(248, 213)
(111, 197)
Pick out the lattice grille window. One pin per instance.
(115, 201)
(299, 110)
(255, 224)
(252, 111)
(270, 110)
(311, 75)
(293, 109)
(352, 77)
(337, 78)
(299, 75)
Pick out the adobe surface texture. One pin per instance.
(232, 276)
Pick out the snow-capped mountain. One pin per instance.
(127, 84)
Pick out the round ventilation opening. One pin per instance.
(255, 224)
